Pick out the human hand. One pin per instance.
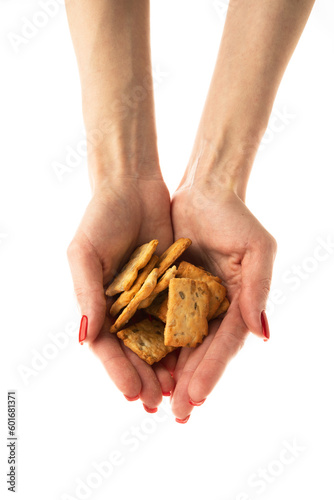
(121, 216)
(231, 243)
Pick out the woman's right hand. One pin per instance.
(126, 213)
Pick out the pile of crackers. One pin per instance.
(181, 298)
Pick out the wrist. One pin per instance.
(221, 165)
(107, 169)
(122, 145)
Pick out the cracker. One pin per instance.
(172, 253)
(222, 308)
(158, 308)
(188, 307)
(125, 297)
(138, 259)
(146, 339)
(216, 278)
(217, 291)
(145, 290)
(161, 285)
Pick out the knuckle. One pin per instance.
(265, 284)
(273, 244)
(270, 244)
(233, 341)
(72, 249)
(79, 291)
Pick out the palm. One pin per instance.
(117, 221)
(226, 240)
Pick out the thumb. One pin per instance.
(87, 275)
(257, 267)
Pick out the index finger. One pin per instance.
(122, 372)
(227, 342)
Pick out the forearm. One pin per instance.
(258, 40)
(111, 39)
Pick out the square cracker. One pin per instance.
(158, 308)
(172, 253)
(222, 308)
(217, 291)
(126, 296)
(138, 259)
(145, 290)
(146, 339)
(216, 278)
(188, 307)
(161, 285)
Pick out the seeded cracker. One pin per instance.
(217, 291)
(188, 307)
(222, 308)
(146, 339)
(172, 253)
(161, 285)
(127, 276)
(145, 290)
(158, 308)
(219, 280)
(125, 297)
(187, 268)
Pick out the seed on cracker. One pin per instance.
(217, 291)
(161, 285)
(139, 258)
(172, 253)
(222, 308)
(146, 339)
(125, 297)
(145, 290)
(188, 308)
(158, 308)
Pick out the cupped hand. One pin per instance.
(121, 216)
(231, 243)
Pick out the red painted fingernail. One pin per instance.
(196, 403)
(150, 410)
(131, 399)
(265, 326)
(166, 393)
(182, 420)
(83, 329)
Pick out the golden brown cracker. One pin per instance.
(146, 339)
(188, 308)
(186, 267)
(125, 297)
(161, 285)
(145, 290)
(158, 308)
(139, 258)
(222, 308)
(172, 253)
(217, 291)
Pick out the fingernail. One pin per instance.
(166, 393)
(131, 399)
(150, 410)
(265, 326)
(83, 329)
(196, 403)
(182, 420)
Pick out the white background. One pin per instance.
(70, 415)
